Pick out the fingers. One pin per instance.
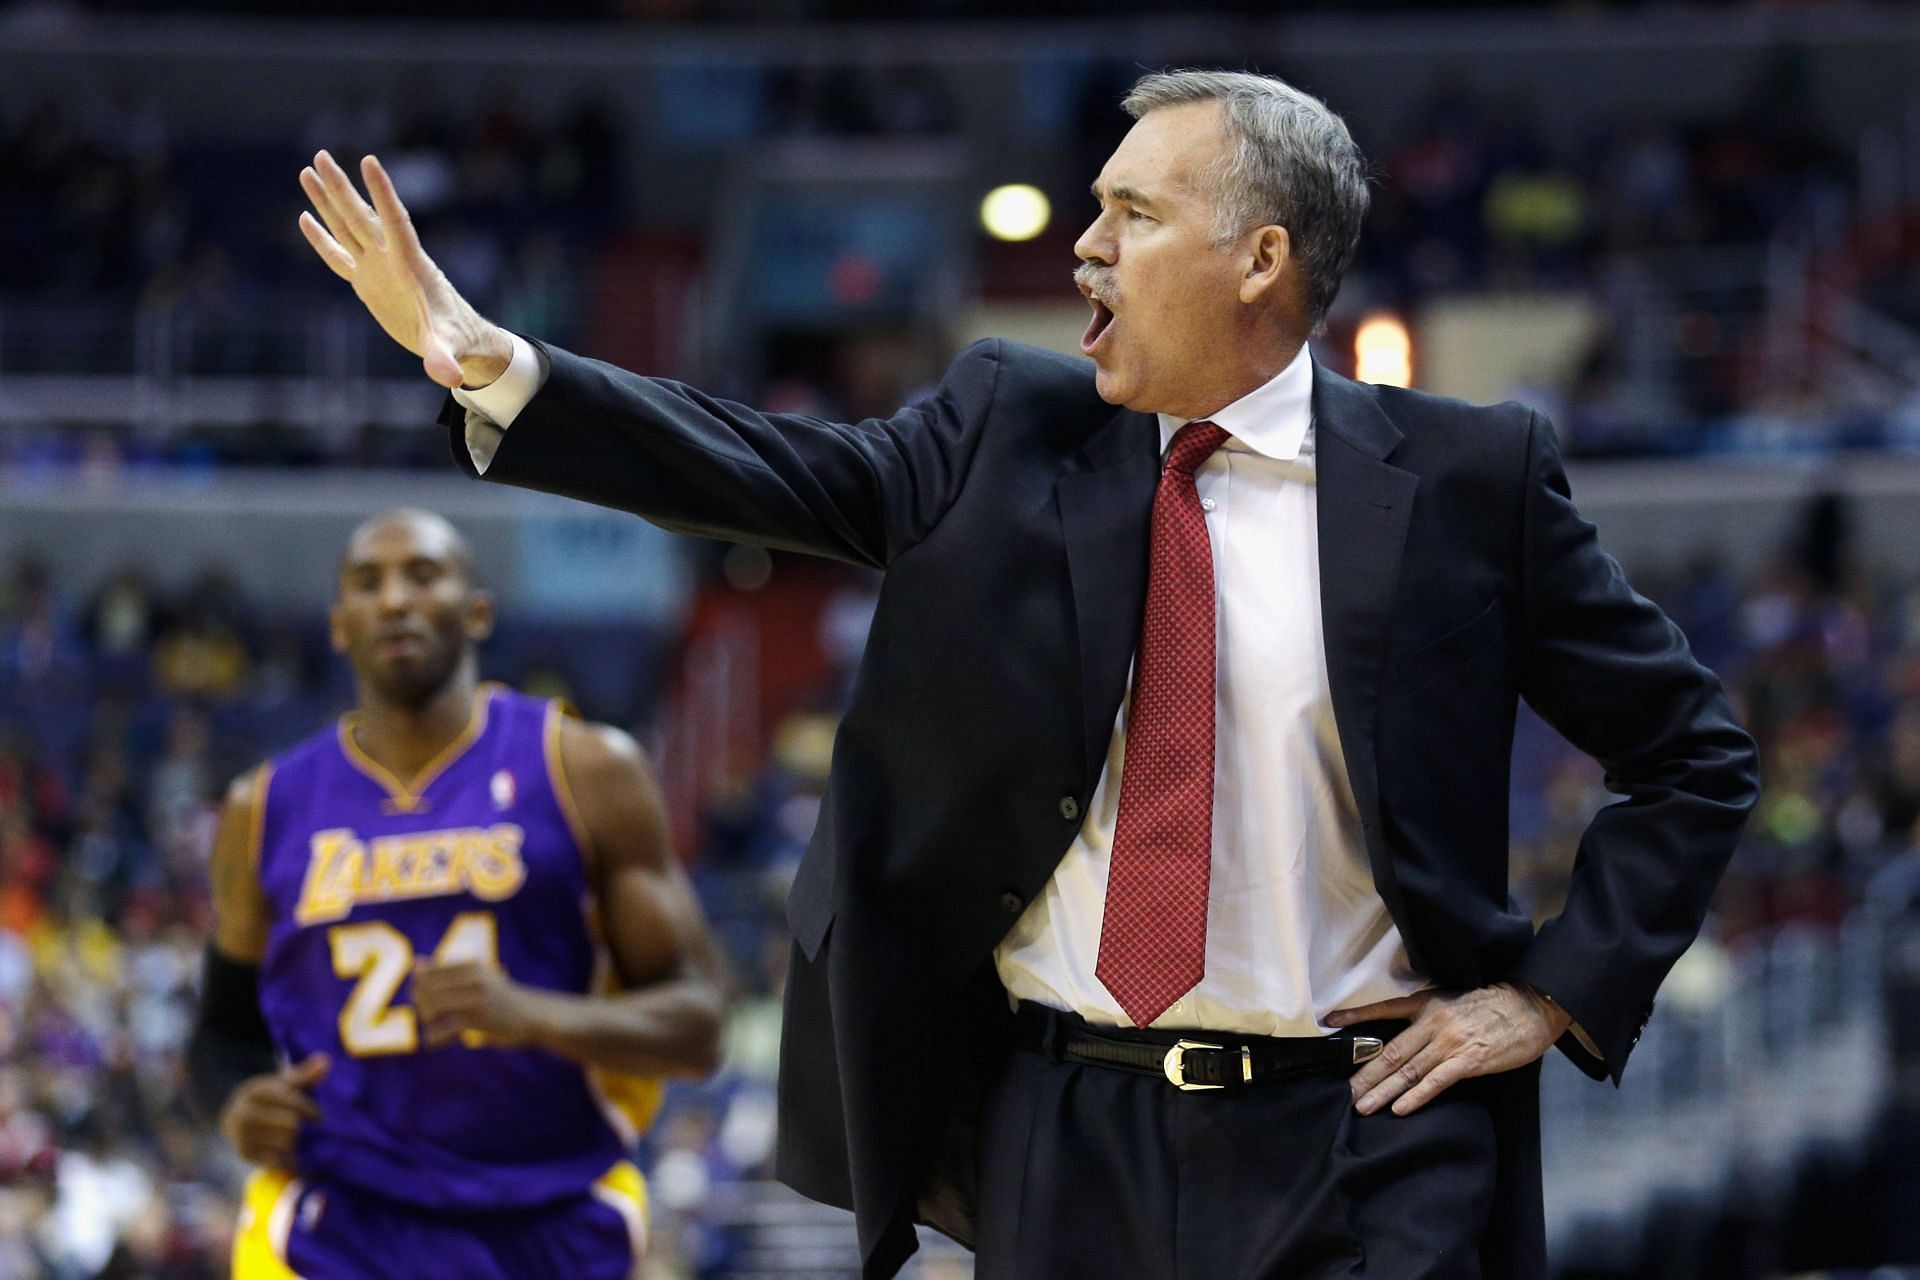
(386, 202)
(1394, 1057)
(265, 1117)
(361, 220)
(1434, 1080)
(308, 1072)
(451, 1026)
(447, 998)
(274, 1097)
(1400, 1008)
(266, 1153)
(272, 1124)
(1397, 1082)
(330, 212)
(268, 1142)
(338, 260)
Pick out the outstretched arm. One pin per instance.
(862, 492)
(665, 1016)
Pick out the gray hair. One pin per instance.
(1289, 161)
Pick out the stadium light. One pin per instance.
(1016, 211)
(1383, 351)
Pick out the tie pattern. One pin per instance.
(1153, 934)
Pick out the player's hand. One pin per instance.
(1454, 1035)
(473, 1001)
(374, 249)
(263, 1117)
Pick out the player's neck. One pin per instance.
(403, 740)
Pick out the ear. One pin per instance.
(336, 629)
(479, 620)
(1267, 264)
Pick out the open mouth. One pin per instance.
(1097, 327)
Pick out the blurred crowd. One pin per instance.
(124, 712)
(716, 11)
(1475, 197)
(109, 209)
(110, 212)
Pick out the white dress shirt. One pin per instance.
(1295, 928)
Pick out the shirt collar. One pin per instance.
(1274, 419)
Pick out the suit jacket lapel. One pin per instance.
(1105, 520)
(1363, 505)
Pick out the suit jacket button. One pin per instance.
(1012, 903)
(1069, 808)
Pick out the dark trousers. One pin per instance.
(1089, 1171)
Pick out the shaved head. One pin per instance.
(409, 615)
(430, 531)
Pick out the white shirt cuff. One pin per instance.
(501, 400)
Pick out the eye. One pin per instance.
(1135, 215)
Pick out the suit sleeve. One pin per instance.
(1606, 668)
(861, 492)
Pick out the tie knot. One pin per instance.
(1193, 444)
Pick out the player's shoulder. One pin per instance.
(592, 749)
(254, 786)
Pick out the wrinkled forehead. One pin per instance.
(1164, 155)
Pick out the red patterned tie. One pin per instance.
(1153, 937)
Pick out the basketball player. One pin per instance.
(453, 959)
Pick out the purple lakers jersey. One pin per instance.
(477, 858)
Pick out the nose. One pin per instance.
(1095, 243)
(394, 595)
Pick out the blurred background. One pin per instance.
(1689, 233)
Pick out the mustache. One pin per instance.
(1097, 281)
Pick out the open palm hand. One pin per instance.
(374, 248)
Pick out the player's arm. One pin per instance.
(666, 1018)
(232, 1071)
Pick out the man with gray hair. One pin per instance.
(1156, 923)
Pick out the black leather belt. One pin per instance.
(1194, 1059)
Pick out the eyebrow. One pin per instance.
(1125, 195)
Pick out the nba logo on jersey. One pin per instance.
(503, 790)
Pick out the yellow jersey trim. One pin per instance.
(409, 796)
(623, 1188)
(557, 710)
(266, 1216)
(257, 837)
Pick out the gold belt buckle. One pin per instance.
(1366, 1049)
(1175, 1064)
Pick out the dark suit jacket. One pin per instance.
(1010, 512)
